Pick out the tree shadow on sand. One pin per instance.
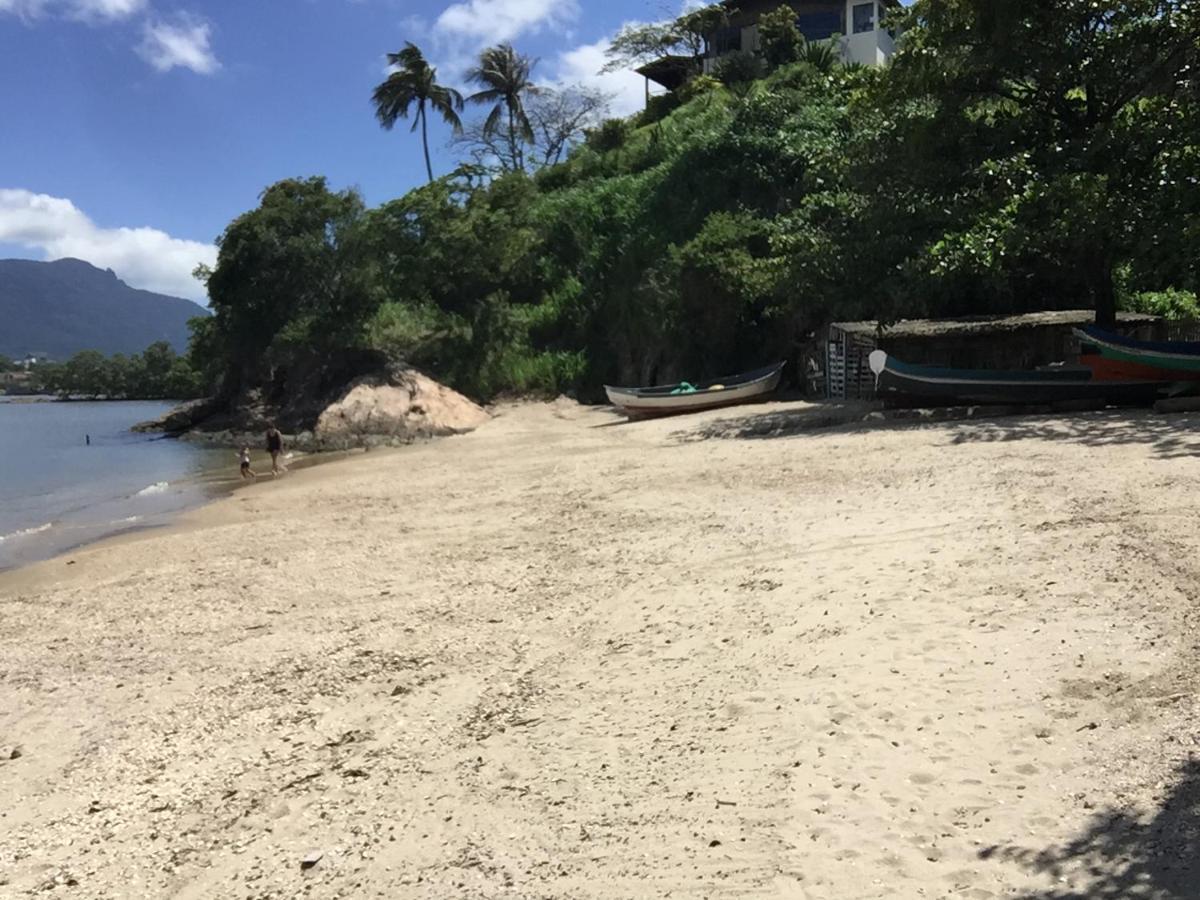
(1169, 436)
(1123, 856)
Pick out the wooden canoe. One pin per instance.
(1169, 359)
(1105, 369)
(908, 384)
(674, 399)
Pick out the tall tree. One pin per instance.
(560, 119)
(414, 83)
(298, 271)
(1052, 128)
(506, 79)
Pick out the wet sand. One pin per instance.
(566, 658)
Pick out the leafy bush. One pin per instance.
(780, 37)
(609, 135)
(700, 86)
(738, 68)
(657, 109)
(1170, 304)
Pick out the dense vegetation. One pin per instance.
(1016, 155)
(156, 374)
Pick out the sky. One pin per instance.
(133, 131)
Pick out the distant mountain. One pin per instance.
(58, 308)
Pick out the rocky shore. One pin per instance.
(394, 407)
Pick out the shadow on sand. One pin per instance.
(1170, 436)
(1122, 856)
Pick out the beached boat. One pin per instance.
(909, 384)
(1117, 356)
(673, 399)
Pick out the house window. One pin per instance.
(820, 26)
(864, 17)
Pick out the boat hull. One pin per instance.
(1169, 358)
(905, 384)
(1105, 369)
(751, 387)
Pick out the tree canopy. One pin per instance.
(1033, 144)
(686, 35)
(295, 271)
(158, 373)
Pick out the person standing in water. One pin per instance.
(275, 448)
(247, 472)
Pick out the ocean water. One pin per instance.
(58, 492)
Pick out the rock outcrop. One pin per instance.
(180, 419)
(402, 409)
(394, 405)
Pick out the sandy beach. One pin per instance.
(563, 657)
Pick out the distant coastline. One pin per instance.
(50, 398)
(28, 398)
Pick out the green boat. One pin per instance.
(1173, 357)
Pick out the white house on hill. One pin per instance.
(856, 26)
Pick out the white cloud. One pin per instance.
(183, 42)
(26, 9)
(144, 257)
(495, 21)
(89, 10)
(582, 65)
(108, 9)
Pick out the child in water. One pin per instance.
(247, 472)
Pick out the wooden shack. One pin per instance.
(985, 342)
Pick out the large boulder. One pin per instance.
(405, 407)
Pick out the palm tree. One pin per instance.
(505, 76)
(414, 81)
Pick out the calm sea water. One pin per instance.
(57, 492)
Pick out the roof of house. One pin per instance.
(669, 71)
(978, 325)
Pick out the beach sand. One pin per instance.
(563, 657)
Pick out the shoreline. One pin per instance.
(825, 665)
(211, 488)
(205, 513)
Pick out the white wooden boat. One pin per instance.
(673, 399)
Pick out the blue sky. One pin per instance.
(134, 130)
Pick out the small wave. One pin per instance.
(156, 488)
(25, 532)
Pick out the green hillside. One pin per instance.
(1043, 158)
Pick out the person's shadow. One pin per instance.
(1122, 856)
